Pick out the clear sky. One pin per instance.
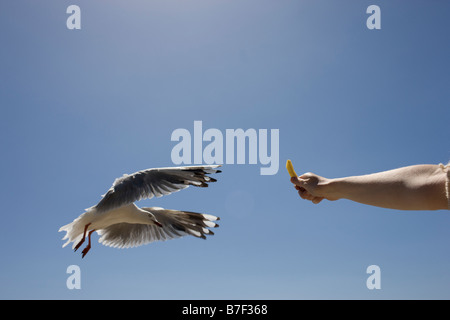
(82, 107)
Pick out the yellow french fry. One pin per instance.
(290, 169)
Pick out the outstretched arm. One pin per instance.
(418, 187)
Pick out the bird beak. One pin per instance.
(158, 224)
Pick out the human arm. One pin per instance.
(418, 187)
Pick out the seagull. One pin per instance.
(122, 224)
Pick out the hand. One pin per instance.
(312, 187)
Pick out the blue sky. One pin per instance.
(82, 107)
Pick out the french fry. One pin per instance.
(290, 169)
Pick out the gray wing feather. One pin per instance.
(175, 224)
(126, 235)
(157, 182)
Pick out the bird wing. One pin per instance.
(174, 223)
(126, 235)
(156, 182)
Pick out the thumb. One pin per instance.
(298, 181)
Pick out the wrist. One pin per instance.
(334, 189)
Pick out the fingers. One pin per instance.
(307, 196)
(306, 185)
(295, 180)
(304, 194)
(299, 181)
(317, 200)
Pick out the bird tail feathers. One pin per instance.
(74, 230)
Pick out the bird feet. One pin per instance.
(79, 244)
(88, 247)
(85, 250)
(82, 239)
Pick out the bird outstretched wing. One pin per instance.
(174, 223)
(156, 182)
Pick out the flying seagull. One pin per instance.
(122, 224)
